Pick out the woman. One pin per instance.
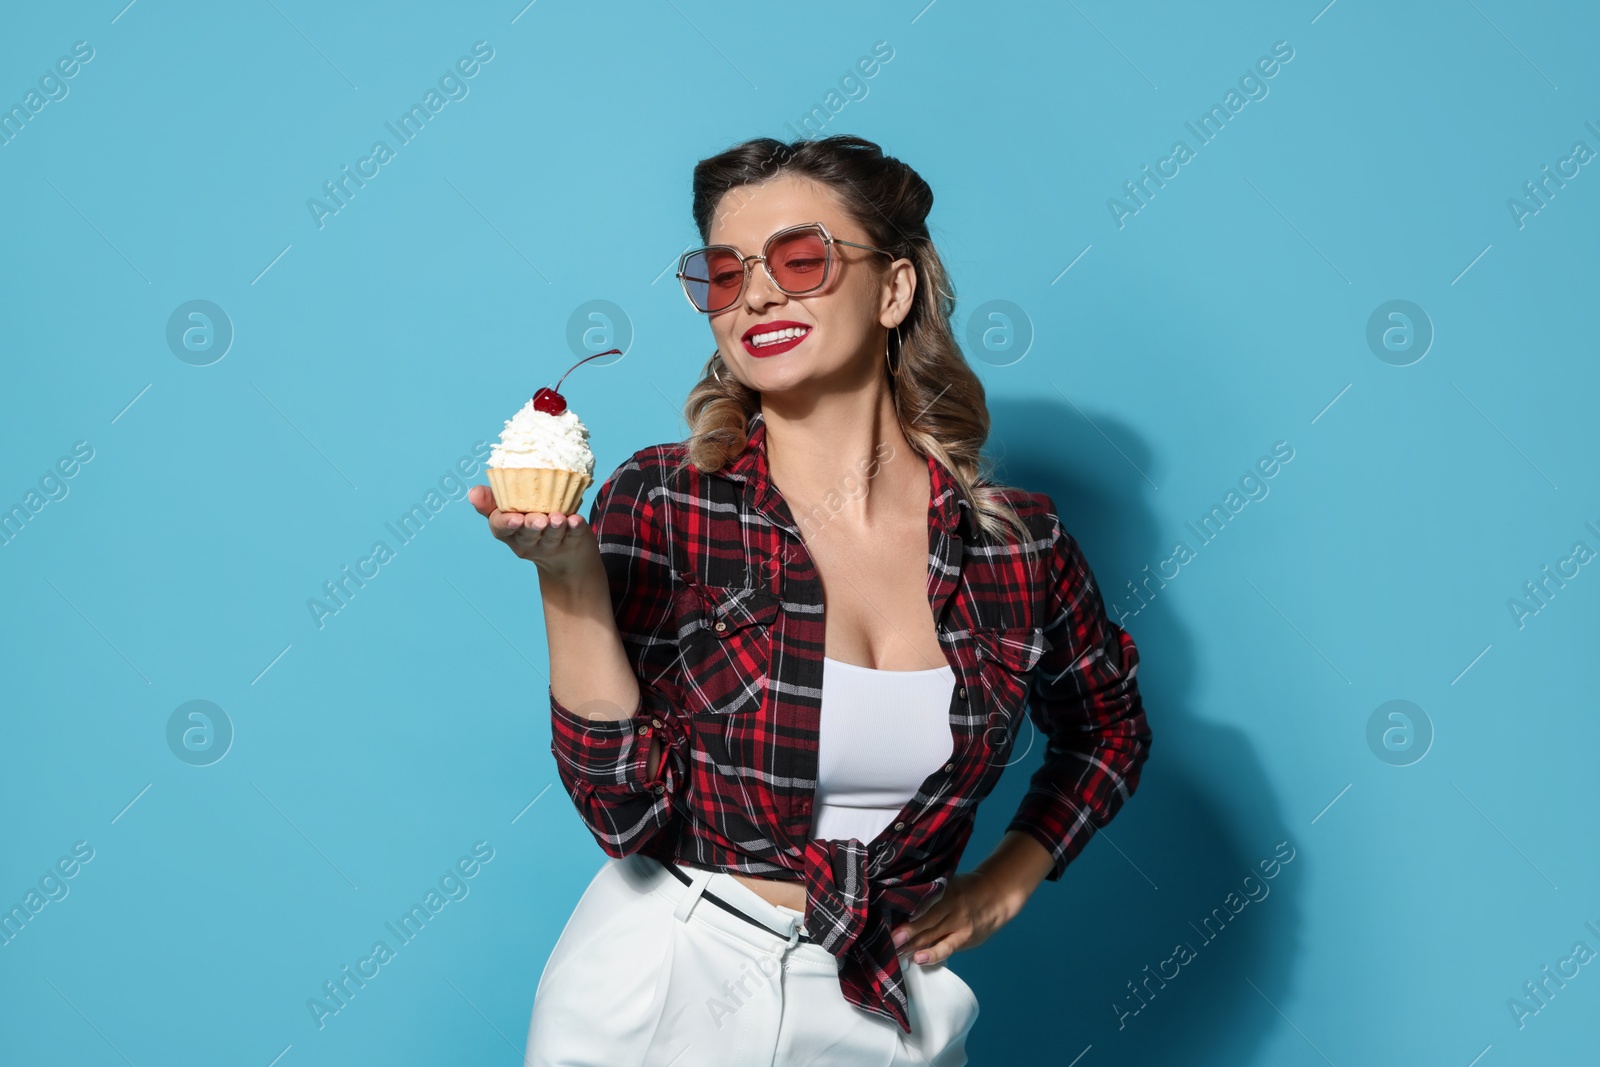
(784, 791)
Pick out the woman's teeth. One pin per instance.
(777, 335)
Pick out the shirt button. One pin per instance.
(899, 826)
(949, 766)
(643, 730)
(963, 692)
(721, 626)
(655, 722)
(658, 789)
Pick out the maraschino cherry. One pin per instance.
(551, 402)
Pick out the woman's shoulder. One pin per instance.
(645, 475)
(1024, 500)
(654, 461)
(1036, 510)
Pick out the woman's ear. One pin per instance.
(898, 288)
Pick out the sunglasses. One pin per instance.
(799, 260)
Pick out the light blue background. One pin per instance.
(369, 355)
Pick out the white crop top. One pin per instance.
(882, 733)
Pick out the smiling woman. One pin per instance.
(852, 211)
(830, 624)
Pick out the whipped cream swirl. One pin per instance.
(534, 438)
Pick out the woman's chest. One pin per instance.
(877, 612)
(751, 613)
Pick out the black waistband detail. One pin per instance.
(732, 909)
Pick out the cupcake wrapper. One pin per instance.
(537, 489)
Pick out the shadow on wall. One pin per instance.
(1165, 938)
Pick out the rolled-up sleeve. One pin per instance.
(604, 763)
(1084, 698)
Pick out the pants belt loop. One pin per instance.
(691, 895)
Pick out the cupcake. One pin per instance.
(543, 462)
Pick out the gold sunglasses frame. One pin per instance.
(828, 240)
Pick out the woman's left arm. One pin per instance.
(1086, 701)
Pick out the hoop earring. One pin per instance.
(892, 364)
(714, 372)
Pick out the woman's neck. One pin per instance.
(849, 453)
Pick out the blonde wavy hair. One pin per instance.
(938, 398)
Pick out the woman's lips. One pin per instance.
(776, 348)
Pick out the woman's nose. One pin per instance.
(759, 292)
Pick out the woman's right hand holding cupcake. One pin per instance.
(561, 545)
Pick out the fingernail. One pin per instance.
(900, 938)
(921, 957)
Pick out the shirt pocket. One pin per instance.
(1006, 657)
(725, 632)
(1015, 648)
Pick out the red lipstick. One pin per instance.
(799, 330)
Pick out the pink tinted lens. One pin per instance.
(798, 261)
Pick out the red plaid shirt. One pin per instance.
(720, 608)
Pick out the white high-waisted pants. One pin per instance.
(648, 973)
